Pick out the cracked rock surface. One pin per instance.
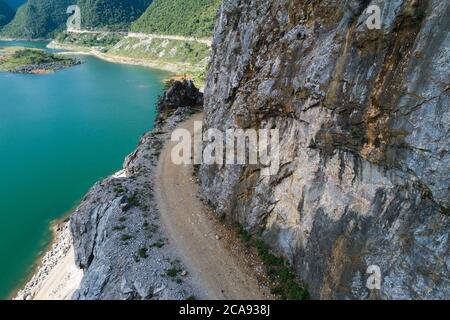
(364, 121)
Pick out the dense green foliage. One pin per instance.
(111, 14)
(45, 18)
(179, 17)
(38, 19)
(6, 13)
(14, 4)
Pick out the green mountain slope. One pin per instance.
(6, 13)
(44, 18)
(111, 14)
(38, 19)
(179, 17)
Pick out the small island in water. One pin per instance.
(33, 61)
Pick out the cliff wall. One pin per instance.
(364, 121)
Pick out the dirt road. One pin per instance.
(218, 273)
(141, 36)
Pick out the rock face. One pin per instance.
(364, 121)
(181, 94)
(116, 231)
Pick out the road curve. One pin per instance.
(218, 274)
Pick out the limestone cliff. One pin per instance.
(364, 124)
(117, 235)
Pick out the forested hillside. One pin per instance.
(44, 18)
(179, 17)
(6, 13)
(14, 4)
(111, 14)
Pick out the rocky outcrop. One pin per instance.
(179, 94)
(6, 13)
(117, 236)
(364, 121)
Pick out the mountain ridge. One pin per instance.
(46, 18)
(38, 19)
(111, 14)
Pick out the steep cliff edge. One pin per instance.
(117, 235)
(364, 125)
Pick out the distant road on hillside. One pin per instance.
(148, 35)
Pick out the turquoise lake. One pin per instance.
(59, 134)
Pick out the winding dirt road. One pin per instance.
(218, 273)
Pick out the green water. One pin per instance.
(60, 133)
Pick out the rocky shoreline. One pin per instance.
(61, 245)
(115, 234)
